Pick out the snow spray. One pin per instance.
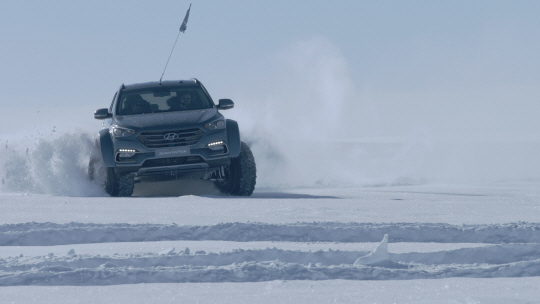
(53, 163)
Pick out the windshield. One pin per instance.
(162, 100)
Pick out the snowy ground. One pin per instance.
(448, 243)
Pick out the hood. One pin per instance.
(173, 120)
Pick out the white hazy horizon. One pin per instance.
(352, 93)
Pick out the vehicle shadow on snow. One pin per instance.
(207, 189)
(273, 195)
(282, 195)
(175, 188)
(433, 193)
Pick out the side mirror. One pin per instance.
(225, 104)
(102, 114)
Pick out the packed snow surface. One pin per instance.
(308, 241)
(94, 242)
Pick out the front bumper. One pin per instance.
(174, 161)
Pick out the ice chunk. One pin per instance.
(107, 264)
(167, 251)
(380, 254)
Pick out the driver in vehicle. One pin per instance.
(135, 104)
(185, 101)
(180, 103)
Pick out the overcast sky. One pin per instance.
(433, 71)
(433, 64)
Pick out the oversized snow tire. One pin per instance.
(122, 185)
(240, 175)
(126, 184)
(95, 169)
(91, 169)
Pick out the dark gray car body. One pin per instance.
(167, 144)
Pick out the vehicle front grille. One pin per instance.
(156, 139)
(173, 161)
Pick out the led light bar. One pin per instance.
(126, 153)
(217, 143)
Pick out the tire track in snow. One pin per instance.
(256, 272)
(46, 234)
(495, 254)
(264, 265)
(502, 260)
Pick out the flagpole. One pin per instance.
(169, 57)
(182, 30)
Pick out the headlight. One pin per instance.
(218, 124)
(120, 132)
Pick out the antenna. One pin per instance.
(183, 28)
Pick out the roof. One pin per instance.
(156, 84)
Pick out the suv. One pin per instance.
(169, 130)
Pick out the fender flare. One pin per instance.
(107, 149)
(233, 138)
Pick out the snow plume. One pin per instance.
(310, 124)
(307, 125)
(54, 165)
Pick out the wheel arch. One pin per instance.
(233, 138)
(106, 147)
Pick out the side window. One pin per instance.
(112, 103)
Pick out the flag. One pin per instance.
(184, 24)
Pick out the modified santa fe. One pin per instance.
(169, 130)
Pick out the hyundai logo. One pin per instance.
(170, 136)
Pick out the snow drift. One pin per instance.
(170, 266)
(47, 234)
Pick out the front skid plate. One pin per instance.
(165, 169)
